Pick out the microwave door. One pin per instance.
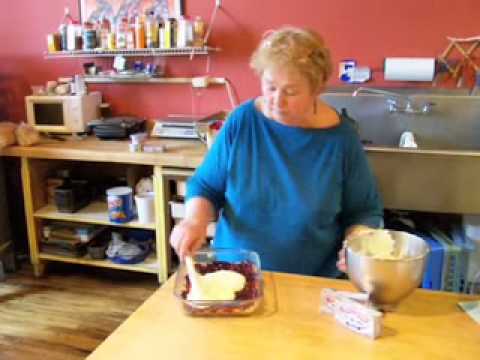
(49, 116)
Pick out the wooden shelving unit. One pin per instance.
(39, 212)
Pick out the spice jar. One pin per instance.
(199, 29)
(54, 42)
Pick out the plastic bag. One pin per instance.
(132, 251)
(7, 134)
(144, 185)
(27, 135)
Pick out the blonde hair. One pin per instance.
(299, 48)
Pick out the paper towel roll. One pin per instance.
(409, 69)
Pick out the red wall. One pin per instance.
(367, 30)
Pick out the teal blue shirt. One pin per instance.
(285, 192)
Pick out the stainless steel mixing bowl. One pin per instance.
(388, 281)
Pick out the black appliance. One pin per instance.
(72, 195)
(119, 127)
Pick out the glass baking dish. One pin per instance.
(208, 260)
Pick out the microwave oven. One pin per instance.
(62, 113)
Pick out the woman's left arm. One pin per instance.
(362, 208)
(361, 203)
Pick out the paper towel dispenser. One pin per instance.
(409, 69)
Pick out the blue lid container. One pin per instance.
(120, 204)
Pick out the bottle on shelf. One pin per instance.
(74, 36)
(182, 32)
(139, 32)
(112, 40)
(199, 29)
(122, 29)
(173, 32)
(104, 32)
(167, 34)
(130, 36)
(151, 31)
(89, 36)
(63, 28)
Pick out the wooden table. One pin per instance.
(427, 325)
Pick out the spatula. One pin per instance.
(193, 275)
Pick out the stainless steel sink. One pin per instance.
(441, 175)
(452, 124)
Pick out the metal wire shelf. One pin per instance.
(106, 79)
(187, 51)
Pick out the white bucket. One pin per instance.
(145, 207)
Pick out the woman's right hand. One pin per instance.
(188, 236)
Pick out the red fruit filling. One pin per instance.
(249, 294)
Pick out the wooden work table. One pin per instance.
(178, 153)
(427, 325)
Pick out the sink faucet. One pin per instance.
(406, 105)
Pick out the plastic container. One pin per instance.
(177, 209)
(471, 226)
(474, 288)
(209, 260)
(79, 85)
(145, 207)
(120, 204)
(181, 188)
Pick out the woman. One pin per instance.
(287, 173)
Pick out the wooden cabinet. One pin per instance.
(39, 212)
(93, 158)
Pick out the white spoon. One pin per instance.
(194, 277)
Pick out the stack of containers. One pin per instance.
(448, 264)
(471, 226)
(433, 270)
(452, 262)
(466, 249)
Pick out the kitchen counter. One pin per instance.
(421, 190)
(427, 325)
(178, 153)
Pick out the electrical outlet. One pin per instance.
(200, 82)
